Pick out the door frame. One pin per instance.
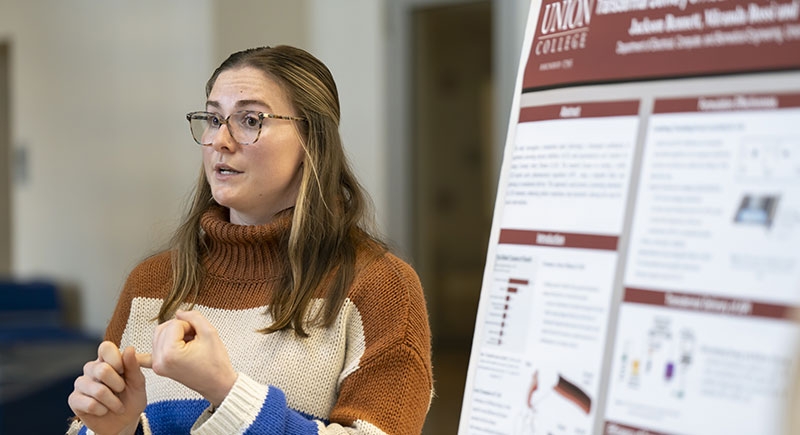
(6, 180)
(510, 18)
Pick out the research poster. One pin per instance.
(643, 268)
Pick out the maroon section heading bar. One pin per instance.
(556, 239)
(727, 103)
(707, 303)
(579, 110)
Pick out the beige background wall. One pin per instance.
(98, 94)
(99, 90)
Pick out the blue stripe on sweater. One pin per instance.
(275, 418)
(174, 416)
(171, 417)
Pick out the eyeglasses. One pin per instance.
(244, 126)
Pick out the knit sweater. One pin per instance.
(368, 373)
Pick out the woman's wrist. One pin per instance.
(132, 429)
(221, 391)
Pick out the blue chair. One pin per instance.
(40, 357)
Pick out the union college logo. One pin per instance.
(563, 27)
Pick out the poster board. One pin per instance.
(644, 259)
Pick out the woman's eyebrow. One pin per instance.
(240, 103)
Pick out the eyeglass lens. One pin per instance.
(244, 127)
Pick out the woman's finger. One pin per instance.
(99, 393)
(104, 373)
(145, 360)
(196, 320)
(173, 331)
(83, 404)
(133, 371)
(109, 353)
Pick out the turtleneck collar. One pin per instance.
(244, 252)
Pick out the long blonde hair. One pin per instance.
(332, 215)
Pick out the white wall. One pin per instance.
(241, 24)
(99, 90)
(349, 36)
(510, 18)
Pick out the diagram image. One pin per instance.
(660, 359)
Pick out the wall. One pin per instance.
(242, 24)
(98, 94)
(350, 37)
(99, 90)
(510, 18)
(5, 165)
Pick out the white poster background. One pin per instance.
(498, 388)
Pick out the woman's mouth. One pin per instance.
(224, 169)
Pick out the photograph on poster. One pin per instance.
(756, 210)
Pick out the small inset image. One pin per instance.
(757, 210)
(573, 393)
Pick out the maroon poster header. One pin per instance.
(707, 303)
(584, 41)
(727, 103)
(579, 110)
(558, 240)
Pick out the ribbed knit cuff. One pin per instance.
(143, 428)
(75, 427)
(237, 412)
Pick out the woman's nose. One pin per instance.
(223, 141)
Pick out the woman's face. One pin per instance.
(254, 181)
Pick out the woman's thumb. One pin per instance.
(133, 372)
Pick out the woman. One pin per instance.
(274, 311)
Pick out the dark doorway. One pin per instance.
(452, 170)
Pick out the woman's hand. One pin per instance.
(188, 350)
(110, 396)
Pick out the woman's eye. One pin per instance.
(214, 121)
(250, 121)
